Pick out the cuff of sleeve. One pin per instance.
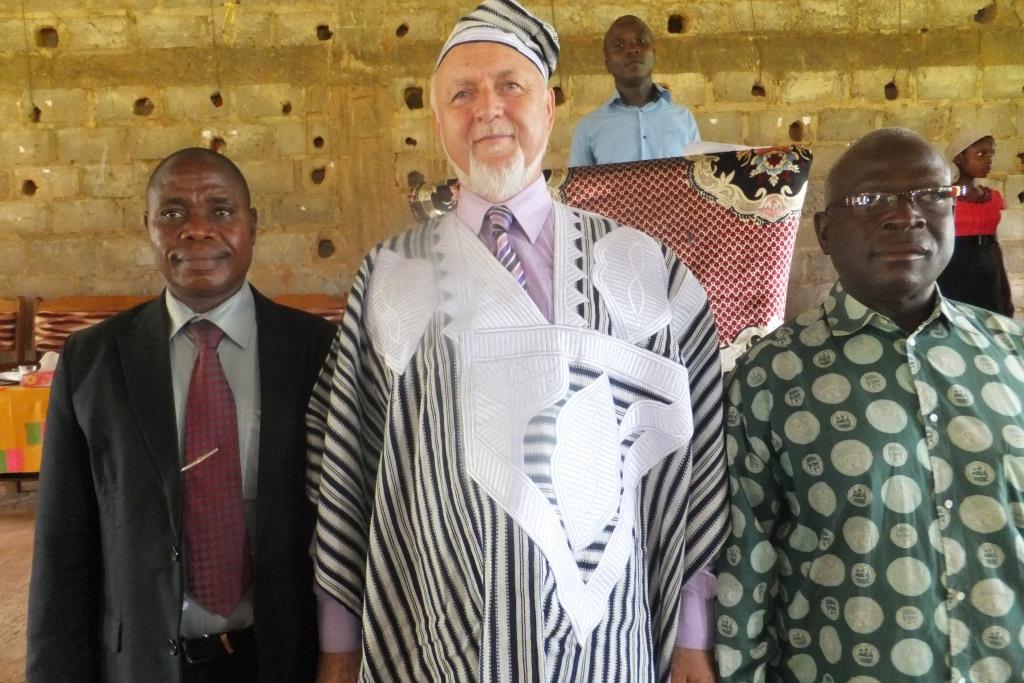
(696, 622)
(340, 630)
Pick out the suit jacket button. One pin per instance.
(175, 553)
(172, 647)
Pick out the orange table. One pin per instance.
(22, 424)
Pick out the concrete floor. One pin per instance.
(17, 522)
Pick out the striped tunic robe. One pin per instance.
(505, 499)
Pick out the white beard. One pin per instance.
(497, 183)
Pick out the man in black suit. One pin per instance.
(136, 577)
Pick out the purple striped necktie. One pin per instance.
(500, 220)
(216, 543)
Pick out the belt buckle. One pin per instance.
(199, 650)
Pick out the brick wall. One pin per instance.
(317, 102)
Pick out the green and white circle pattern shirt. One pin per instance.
(877, 485)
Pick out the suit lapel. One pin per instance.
(145, 357)
(280, 372)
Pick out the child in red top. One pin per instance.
(975, 274)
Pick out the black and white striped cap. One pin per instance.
(509, 23)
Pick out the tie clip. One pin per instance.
(198, 460)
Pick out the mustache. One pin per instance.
(485, 130)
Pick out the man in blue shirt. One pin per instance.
(640, 121)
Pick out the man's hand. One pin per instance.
(692, 666)
(338, 667)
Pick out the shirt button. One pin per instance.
(172, 647)
(948, 504)
(911, 343)
(175, 553)
(933, 417)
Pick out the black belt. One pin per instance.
(216, 645)
(980, 240)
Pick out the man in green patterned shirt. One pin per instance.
(876, 450)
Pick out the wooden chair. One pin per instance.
(57, 318)
(11, 323)
(331, 308)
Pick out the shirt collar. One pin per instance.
(663, 96)
(236, 316)
(847, 315)
(531, 207)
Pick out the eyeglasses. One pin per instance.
(924, 198)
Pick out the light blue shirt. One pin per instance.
(618, 132)
(239, 357)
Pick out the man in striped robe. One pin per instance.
(516, 443)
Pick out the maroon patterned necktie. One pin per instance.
(216, 542)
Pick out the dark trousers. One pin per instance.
(976, 275)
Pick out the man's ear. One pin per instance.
(551, 109)
(255, 222)
(437, 123)
(822, 223)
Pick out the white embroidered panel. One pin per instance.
(509, 375)
(565, 293)
(585, 462)
(629, 271)
(400, 301)
(480, 292)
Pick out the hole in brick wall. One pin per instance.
(411, 142)
(402, 30)
(414, 97)
(892, 91)
(757, 90)
(29, 187)
(559, 95)
(323, 32)
(318, 142)
(1020, 197)
(143, 106)
(217, 144)
(923, 30)
(216, 99)
(325, 248)
(414, 179)
(286, 107)
(318, 175)
(1020, 158)
(987, 14)
(676, 23)
(796, 131)
(47, 36)
(35, 115)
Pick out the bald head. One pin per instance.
(881, 148)
(209, 157)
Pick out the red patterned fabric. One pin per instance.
(8, 331)
(732, 217)
(217, 546)
(52, 328)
